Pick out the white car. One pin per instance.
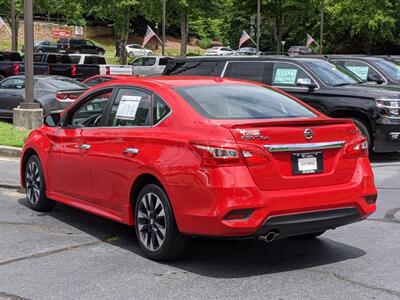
(137, 50)
(220, 51)
(149, 65)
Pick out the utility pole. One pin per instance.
(321, 33)
(29, 114)
(258, 24)
(28, 37)
(14, 35)
(164, 12)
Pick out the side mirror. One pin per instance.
(306, 82)
(52, 120)
(376, 78)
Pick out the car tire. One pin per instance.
(40, 51)
(156, 229)
(310, 235)
(363, 128)
(130, 54)
(101, 52)
(149, 53)
(35, 185)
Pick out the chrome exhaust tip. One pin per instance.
(269, 237)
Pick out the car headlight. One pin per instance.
(391, 107)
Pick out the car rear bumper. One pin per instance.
(387, 137)
(204, 211)
(309, 222)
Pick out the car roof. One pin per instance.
(41, 77)
(248, 58)
(178, 81)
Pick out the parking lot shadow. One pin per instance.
(218, 258)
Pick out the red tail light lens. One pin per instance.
(214, 155)
(16, 69)
(73, 71)
(222, 154)
(108, 70)
(61, 96)
(357, 148)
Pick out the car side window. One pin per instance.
(149, 61)
(131, 107)
(361, 69)
(160, 110)
(254, 70)
(91, 113)
(285, 74)
(163, 61)
(137, 62)
(14, 84)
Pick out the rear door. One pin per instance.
(117, 148)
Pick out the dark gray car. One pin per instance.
(52, 92)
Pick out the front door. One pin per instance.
(69, 163)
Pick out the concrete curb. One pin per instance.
(8, 151)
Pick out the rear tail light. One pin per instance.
(214, 154)
(108, 70)
(73, 71)
(61, 96)
(357, 148)
(16, 69)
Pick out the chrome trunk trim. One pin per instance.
(304, 147)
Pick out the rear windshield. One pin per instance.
(65, 83)
(240, 101)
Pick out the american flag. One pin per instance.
(310, 40)
(149, 34)
(244, 38)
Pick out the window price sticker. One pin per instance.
(285, 76)
(361, 72)
(128, 107)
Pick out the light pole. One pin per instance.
(29, 114)
(28, 37)
(14, 37)
(258, 24)
(164, 11)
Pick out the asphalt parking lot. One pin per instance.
(69, 254)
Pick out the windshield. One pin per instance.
(240, 101)
(391, 69)
(332, 74)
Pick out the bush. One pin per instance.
(205, 43)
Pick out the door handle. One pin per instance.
(131, 151)
(85, 147)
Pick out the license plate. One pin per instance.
(307, 163)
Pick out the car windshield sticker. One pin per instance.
(127, 107)
(285, 76)
(361, 72)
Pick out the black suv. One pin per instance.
(79, 46)
(329, 88)
(371, 69)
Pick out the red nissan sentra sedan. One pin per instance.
(180, 157)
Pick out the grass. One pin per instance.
(9, 136)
